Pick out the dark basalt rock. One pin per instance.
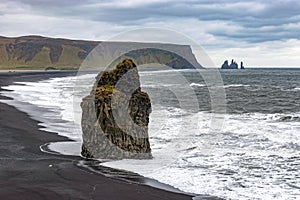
(225, 65)
(233, 65)
(115, 116)
(242, 65)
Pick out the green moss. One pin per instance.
(109, 88)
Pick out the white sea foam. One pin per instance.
(230, 164)
(235, 85)
(296, 89)
(197, 85)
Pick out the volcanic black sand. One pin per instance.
(28, 173)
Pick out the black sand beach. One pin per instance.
(28, 173)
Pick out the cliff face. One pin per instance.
(116, 115)
(36, 52)
(174, 56)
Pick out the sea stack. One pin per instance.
(115, 116)
(242, 65)
(233, 65)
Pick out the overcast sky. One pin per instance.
(259, 32)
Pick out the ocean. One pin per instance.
(229, 133)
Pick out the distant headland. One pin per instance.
(233, 65)
(37, 52)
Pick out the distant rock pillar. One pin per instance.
(225, 65)
(242, 65)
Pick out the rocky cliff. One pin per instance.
(36, 52)
(115, 116)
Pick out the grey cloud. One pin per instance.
(51, 3)
(260, 36)
(244, 14)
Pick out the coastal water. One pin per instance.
(253, 154)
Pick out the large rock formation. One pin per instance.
(225, 65)
(116, 115)
(233, 65)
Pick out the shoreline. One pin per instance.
(29, 171)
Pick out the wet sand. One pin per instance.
(28, 173)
